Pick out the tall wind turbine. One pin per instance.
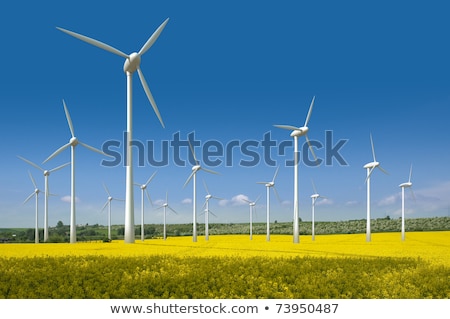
(193, 176)
(252, 206)
(408, 184)
(207, 211)
(108, 203)
(314, 198)
(270, 185)
(370, 168)
(132, 63)
(73, 142)
(36, 195)
(144, 189)
(46, 191)
(296, 133)
(165, 206)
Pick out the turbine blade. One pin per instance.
(172, 209)
(287, 127)
(310, 147)
(275, 175)
(30, 162)
(206, 188)
(310, 111)
(153, 38)
(148, 197)
(210, 171)
(410, 174)
(212, 213)
(263, 183)
(69, 120)
(188, 179)
(412, 194)
(257, 198)
(93, 148)
(150, 96)
(103, 208)
(314, 187)
(383, 170)
(28, 198)
(59, 167)
(106, 189)
(32, 179)
(96, 43)
(247, 201)
(277, 195)
(370, 173)
(59, 150)
(373, 149)
(150, 179)
(192, 151)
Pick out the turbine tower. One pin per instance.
(207, 211)
(370, 168)
(314, 198)
(252, 206)
(165, 206)
(270, 185)
(46, 191)
(408, 184)
(36, 195)
(108, 203)
(73, 142)
(193, 176)
(144, 189)
(296, 133)
(132, 64)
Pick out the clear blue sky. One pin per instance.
(228, 71)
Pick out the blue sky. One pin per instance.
(228, 71)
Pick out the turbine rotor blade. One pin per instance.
(192, 151)
(69, 120)
(410, 174)
(310, 147)
(153, 38)
(149, 180)
(314, 187)
(172, 209)
(59, 150)
(368, 175)
(257, 198)
(277, 195)
(104, 206)
(106, 189)
(412, 194)
(96, 43)
(58, 168)
(32, 179)
(373, 149)
(287, 127)
(210, 171)
(383, 170)
(150, 96)
(188, 179)
(28, 198)
(206, 188)
(275, 175)
(310, 111)
(30, 162)
(148, 197)
(93, 148)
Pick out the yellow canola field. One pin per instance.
(433, 247)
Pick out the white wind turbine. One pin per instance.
(408, 184)
(108, 203)
(73, 142)
(144, 189)
(296, 133)
(35, 193)
(314, 198)
(165, 206)
(207, 211)
(46, 191)
(132, 64)
(252, 206)
(193, 176)
(270, 185)
(370, 168)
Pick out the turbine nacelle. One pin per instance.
(195, 168)
(407, 184)
(73, 141)
(46, 172)
(300, 131)
(209, 196)
(372, 165)
(315, 196)
(132, 63)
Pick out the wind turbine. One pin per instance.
(314, 198)
(46, 190)
(193, 176)
(408, 184)
(144, 189)
(132, 63)
(108, 203)
(207, 211)
(370, 168)
(73, 142)
(270, 185)
(296, 133)
(165, 206)
(252, 206)
(36, 195)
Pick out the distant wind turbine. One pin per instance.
(144, 189)
(36, 195)
(370, 168)
(408, 184)
(314, 198)
(296, 133)
(252, 206)
(193, 176)
(108, 203)
(165, 206)
(46, 191)
(73, 142)
(207, 211)
(270, 185)
(132, 64)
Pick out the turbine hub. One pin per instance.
(143, 187)
(46, 173)
(110, 198)
(315, 196)
(300, 131)
(208, 196)
(407, 184)
(196, 168)
(372, 165)
(73, 141)
(132, 63)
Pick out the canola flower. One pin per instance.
(333, 266)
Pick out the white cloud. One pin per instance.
(324, 201)
(389, 200)
(351, 203)
(186, 201)
(67, 198)
(237, 200)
